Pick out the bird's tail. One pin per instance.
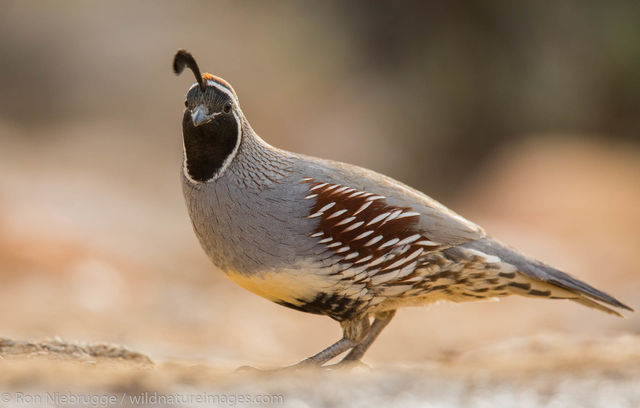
(534, 278)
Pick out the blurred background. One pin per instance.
(522, 116)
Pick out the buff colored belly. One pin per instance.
(294, 286)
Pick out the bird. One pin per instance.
(335, 239)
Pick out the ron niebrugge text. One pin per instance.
(144, 398)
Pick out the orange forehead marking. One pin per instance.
(208, 77)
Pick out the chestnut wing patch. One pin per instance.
(365, 234)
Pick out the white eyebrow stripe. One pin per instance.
(223, 89)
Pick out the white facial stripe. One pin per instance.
(232, 155)
(219, 87)
(223, 89)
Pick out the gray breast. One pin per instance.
(249, 228)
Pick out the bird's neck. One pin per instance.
(259, 164)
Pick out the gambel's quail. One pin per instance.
(335, 239)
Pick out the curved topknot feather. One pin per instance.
(182, 59)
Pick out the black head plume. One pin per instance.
(184, 59)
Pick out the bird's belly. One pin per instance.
(294, 286)
(303, 289)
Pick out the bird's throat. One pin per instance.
(208, 147)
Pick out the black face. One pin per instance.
(209, 144)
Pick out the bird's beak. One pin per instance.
(199, 116)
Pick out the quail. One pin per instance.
(335, 239)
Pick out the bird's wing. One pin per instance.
(423, 214)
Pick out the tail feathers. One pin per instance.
(537, 279)
(524, 285)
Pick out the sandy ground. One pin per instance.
(551, 371)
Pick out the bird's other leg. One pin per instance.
(381, 321)
(353, 332)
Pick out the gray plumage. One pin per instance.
(336, 239)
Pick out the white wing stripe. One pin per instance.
(326, 207)
(353, 226)
(363, 207)
(378, 218)
(373, 240)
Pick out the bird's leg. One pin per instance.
(354, 331)
(327, 354)
(316, 360)
(381, 321)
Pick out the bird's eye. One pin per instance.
(227, 107)
(186, 104)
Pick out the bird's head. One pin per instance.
(211, 124)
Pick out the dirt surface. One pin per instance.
(546, 370)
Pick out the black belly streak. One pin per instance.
(337, 307)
